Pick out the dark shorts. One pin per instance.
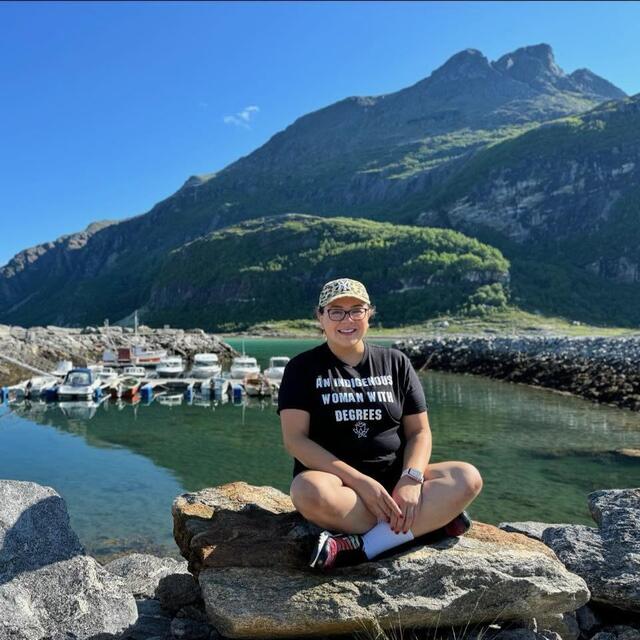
(387, 475)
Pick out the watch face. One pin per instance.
(414, 473)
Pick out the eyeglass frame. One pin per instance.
(345, 313)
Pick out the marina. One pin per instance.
(167, 377)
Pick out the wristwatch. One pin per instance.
(414, 474)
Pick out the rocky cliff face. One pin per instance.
(383, 157)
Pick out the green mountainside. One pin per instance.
(472, 147)
(273, 268)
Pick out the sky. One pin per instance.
(108, 108)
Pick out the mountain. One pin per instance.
(273, 268)
(385, 157)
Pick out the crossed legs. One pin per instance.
(322, 499)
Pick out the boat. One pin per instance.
(170, 367)
(256, 384)
(107, 375)
(38, 386)
(275, 370)
(217, 386)
(127, 387)
(136, 372)
(242, 366)
(205, 365)
(79, 384)
(139, 355)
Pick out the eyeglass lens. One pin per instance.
(340, 314)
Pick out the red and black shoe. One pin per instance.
(337, 550)
(458, 526)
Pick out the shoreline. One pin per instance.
(597, 368)
(603, 370)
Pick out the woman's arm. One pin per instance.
(407, 492)
(418, 435)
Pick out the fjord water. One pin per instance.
(540, 453)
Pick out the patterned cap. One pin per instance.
(342, 288)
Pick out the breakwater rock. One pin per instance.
(600, 369)
(43, 347)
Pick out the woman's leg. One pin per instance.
(448, 488)
(323, 499)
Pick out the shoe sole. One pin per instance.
(321, 540)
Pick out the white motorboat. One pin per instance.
(107, 376)
(170, 367)
(79, 384)
(242, 366)
(205, 365)
(217, 387)
(39, 385)
(275, 370)
(136, 372)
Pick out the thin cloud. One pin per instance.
(242, 118)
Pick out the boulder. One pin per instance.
(143, 572)
(607, 557)
(48, 586)
(250, 549)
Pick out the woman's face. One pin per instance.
(345, 333)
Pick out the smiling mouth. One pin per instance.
(347, 331)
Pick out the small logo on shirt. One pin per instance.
(361, 429)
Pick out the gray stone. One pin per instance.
(178, 590)
(607, 558)
(152, 622)
(34, 528)
(143, 572)
(604, 635)
(48, 587)
(251, 550)
(564, 624)
(531, 529)
(624, 632)
(587, 619)
(188, 629)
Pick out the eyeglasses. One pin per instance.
(340, 314)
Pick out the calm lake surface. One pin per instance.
(540, 453)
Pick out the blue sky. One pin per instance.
(107, 108)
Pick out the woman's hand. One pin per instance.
(376, 498)
(406, 494)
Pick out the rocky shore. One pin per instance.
(597, 368)
(245, 576)
(44, 347)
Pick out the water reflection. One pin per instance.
(120, 464)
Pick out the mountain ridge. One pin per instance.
(361, 157)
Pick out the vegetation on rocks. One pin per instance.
(273, 269)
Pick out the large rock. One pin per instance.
(48, 587)
(607, 557)
(250, 549)
(143, 572)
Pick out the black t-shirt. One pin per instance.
(356, 412)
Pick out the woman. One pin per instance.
(354, 417)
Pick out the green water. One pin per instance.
(540, 453)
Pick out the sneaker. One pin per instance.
(458, 526)
(337, 550)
